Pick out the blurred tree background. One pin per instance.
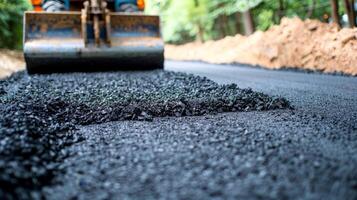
(11, 12)
(201, 20)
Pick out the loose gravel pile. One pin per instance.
(31, 150)
(102, 97)
(40, 114)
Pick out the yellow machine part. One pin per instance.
(54, 42)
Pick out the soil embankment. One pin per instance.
(10, 62)
(307, 45)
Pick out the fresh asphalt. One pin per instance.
(41, 113)
(306, 153)
(331, 96)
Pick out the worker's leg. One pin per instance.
(53, 5)
(126, 6)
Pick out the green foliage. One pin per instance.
(182, 19)
(188, 20)
(11, 12)
(229, 7)
(267, 13)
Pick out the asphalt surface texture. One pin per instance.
(169, 135)
(40, 114)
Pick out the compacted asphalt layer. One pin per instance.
(169, 135)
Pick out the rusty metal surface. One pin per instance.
(39, 25)
(53, 42)
(130, 25)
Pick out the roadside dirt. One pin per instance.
(10, 62)
(308, 45)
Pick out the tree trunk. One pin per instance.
(225, 24)
(248, 23)
(335, 16)
(353, 12)
(349, 10)
(311, 9)
(200, 33)
(222, 28)
(281, 10)
(238, 23)
(217, 27)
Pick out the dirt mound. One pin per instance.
(309, 45)
(10, 62)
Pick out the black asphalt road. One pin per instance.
(306, 153)
(41, 113)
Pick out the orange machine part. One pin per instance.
(141, 4)
(37, 5)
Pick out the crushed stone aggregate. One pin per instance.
(40, 114)
(279, 154)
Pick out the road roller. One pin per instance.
(91, 35)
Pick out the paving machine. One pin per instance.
(92, 35)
